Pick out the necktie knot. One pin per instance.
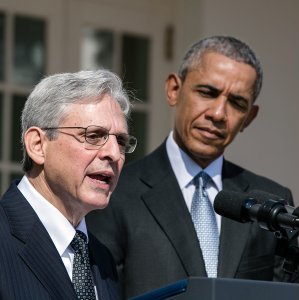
(202, 179)
(79, 242)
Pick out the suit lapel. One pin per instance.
(38, 251)
(166, 203)
(234, 235)
(41, 256)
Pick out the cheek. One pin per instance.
(236, 126)
(185, 115)
(121, 163)
(118, 168)
(71, 160)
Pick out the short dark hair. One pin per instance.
(227, 46)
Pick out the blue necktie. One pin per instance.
(204, 220)
(82, 279)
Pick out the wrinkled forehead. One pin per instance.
(105, 112)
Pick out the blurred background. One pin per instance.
(143, 41)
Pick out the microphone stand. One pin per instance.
(268, 215)
(288, 249)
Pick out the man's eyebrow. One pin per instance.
(238, 97)
(210, 87)
(214, 90)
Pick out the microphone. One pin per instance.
(267, 209)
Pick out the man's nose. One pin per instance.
(111, 149)
(218, 109)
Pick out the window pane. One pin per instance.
(135, 64)
(96, 49)
(29, 64)
(139, 130)
(2, 30)
(16, 147)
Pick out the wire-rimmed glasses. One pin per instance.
(94, 137)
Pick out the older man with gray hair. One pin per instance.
(75, 138)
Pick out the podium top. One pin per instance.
(223, 289)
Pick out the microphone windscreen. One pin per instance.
(229, 204)
(235, 205)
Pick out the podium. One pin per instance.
(223, 289)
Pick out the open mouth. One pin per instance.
(101, 178)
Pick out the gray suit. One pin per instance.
(149, 230)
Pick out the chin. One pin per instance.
(99, 202)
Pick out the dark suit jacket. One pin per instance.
(31, 267)
(149, 230)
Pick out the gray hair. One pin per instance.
(227, 46)
(47, 104)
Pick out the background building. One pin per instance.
(142, 41)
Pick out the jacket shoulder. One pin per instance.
(256, 181)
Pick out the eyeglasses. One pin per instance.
(97, 136)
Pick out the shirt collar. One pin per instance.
(59, 228)
(185, 169)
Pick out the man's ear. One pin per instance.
(34, 140)
(172, 87)
(252, 115)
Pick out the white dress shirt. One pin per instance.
(59, 228)
(185, 169)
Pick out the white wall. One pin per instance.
(270, 146)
